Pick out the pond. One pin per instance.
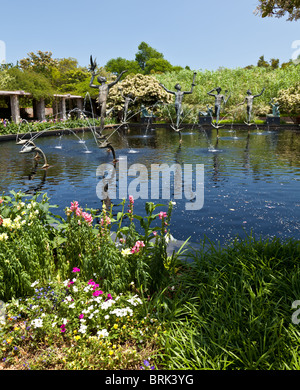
(251, 180)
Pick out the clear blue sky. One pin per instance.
(200, 34)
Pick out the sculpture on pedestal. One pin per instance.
(178, 99)
(249, 99)
(219, 99)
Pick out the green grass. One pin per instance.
(235, 310)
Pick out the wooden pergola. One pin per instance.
(59, 105)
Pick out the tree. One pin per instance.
(262, 62)
(42, 62)
(157, 65)
(29, 81)
(274, 62)
(117, 65)
(278, 8)
(145, 53)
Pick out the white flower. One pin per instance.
(3, 237)
(107, 304)
(37, 323)
(34, 283)
(126, 252)
(106, 317)
(82, 328)
(102, 333)
(75, 289)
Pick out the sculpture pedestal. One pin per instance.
(205, 120)
(273, 120)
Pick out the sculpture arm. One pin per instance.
(210, 92)
(167, 90)
(226, 99)
(91, 82)
(193, 84)
(240, 104)
(255, 96)
(117, 79)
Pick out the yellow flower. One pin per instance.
(77, 337)
(124, 327)
(111, 352)
(115, 326)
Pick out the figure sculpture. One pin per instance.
(178, 99)
(275, 108)
(128, 99)
(103, 90)
(219, 99)
(249, 99)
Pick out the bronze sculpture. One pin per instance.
(103, 90)
(249, 99)
(178, 99)
(219, 99)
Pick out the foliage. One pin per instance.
(41, 62)
(83, 321)
(157, 65)
(289, 99)
(232, 308)
(237, 82)
(145, 88)
(279, 8)
(145, 53)
(7, 127)
(30, 81)
(5, 79)
(117, 65)
(31, 248)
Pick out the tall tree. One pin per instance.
(279, 8)
(145, 53)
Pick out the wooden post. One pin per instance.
(15, 108)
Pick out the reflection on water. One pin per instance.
(251, 180)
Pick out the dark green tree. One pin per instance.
(117, 65)
(157, 65)
(145, 53)
(262, 62)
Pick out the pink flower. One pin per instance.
(74, 206)
(137, 246)
(1, 200)
(91, 282)
(81, 315)
(97, 293)
(154, 233)
(63, 328)
(107, 219)
(109, 296)
(75, 269)
(131, 200)
(162, 214)
(88, 217)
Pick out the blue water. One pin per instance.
(251, 183)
